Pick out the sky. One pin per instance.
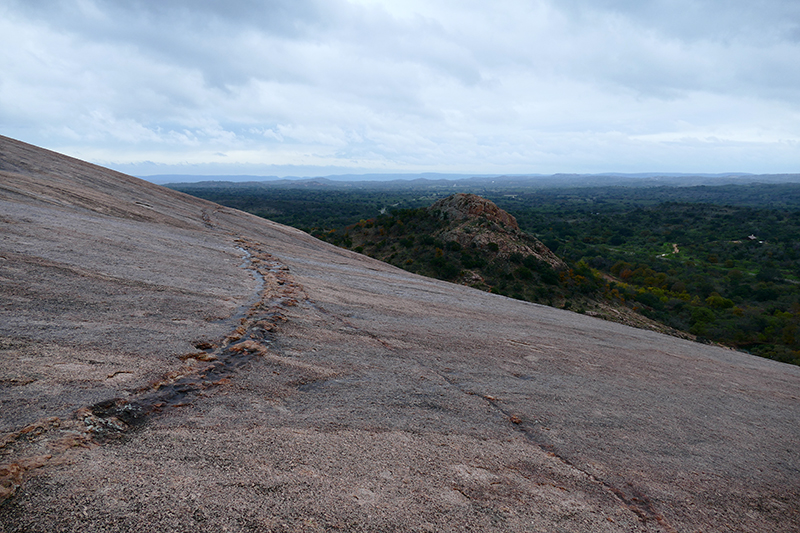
(321, 87)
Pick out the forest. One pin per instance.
(721, 263)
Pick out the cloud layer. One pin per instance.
(511, 86)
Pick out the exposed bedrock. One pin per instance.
(170, 364)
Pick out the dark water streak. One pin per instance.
(110, 418)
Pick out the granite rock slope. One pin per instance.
(171, 364)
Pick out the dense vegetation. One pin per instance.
(722, 263)
(307, 208)
(408, 238)
(727, 274)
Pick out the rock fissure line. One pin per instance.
(258, 324)
(644, 513)
(638, 503)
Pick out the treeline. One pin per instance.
(306, 208)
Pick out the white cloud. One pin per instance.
(466, 86)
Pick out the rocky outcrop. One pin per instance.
(476, 222)
(471, 206)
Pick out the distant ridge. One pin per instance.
(528, 180)
(189, 178)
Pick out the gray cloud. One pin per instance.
(514, 86)
(701, 20)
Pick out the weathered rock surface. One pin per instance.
(477, 221)
(463, 206)
(168, 364)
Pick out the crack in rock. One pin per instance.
(258, 323)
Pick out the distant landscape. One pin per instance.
(717, 262)
(170, 364)
(376, 266)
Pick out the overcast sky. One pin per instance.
(316, 87)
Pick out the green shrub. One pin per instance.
(523, 273)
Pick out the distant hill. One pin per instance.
(469, 240)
